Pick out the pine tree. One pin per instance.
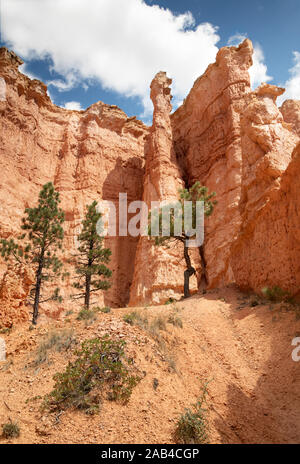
(91, 257)
(37, 246)
(194, 194)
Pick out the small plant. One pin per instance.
(105, 309)
(155, 383)
(175, 320)
(136, 318)
(5, 330)
(192, 426)
(158, 323)
(129, 318)
(275, 294)
(10, 430)
(101, 366)
(170, 301)
(59, 341)
(86, 315)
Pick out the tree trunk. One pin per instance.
(38, 288)
(88, 279)
(188, 272)
(87, 291)
(203, 264)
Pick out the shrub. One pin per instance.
(158, 323)
(192, 426)
(10, 430)
(59, 341)
(86, 315)
(129, 318)
(105, 309)
(170, 301)
(101, 365)
(175, 320)
(135, 318)
(275, 294)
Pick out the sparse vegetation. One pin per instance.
(192, 426)
(101, 366)
(175, 320)
(153, 327)
(170, 301)
(105, 309)
(91, 259)
(10, 430)
(178, 215)
(58, 341)
(5, 330)
(275, 294)
(158, 323)
(136, 318)
(86, 315)
(38, 245)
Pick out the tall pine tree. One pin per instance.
(92, 257)
(38, 245)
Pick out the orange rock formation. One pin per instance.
(235, 141)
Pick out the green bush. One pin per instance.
(101, 366)
(10, 430)
(86, 315)
(192, 426)
(275, 294)
(105, 309)
(170, 301)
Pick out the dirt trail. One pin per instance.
(245, 352)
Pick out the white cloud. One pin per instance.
(292, 85)
(73, 105)
(63, 86)
(258, 71)
(122, 44)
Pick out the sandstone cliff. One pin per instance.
(207, 141)
(234, 140)
(89, 155)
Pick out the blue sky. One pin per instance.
(109, 50)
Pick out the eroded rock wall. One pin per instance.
(89, 155)
(291, 114)
(233, 140)
(207, 142)
(267, 249)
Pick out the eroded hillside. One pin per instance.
(244, 351)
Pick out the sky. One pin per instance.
(110, 50)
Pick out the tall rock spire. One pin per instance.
(158, 271)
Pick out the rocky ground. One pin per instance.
(242, 349)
